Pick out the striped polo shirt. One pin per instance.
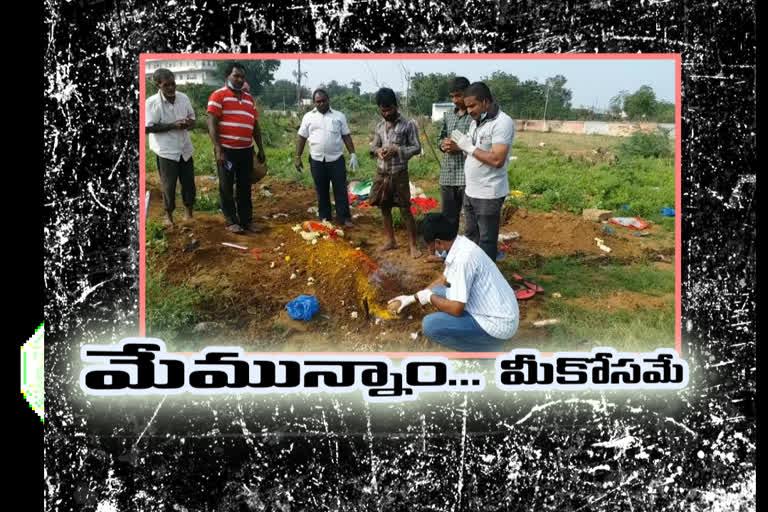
(476, 281)
(236, 117)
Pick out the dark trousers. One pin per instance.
(171, 171)
(237, 207)
(331, 173)
(452, 199)
(482, 218)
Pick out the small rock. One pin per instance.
(272, 265)
(293, 276)
(353, 314)
(206, 327)
(191, 246)
(414, 335)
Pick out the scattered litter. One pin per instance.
(544, 323)
(360, 188)
(668, 212)
(513, 235)
(630, 222)
(414, 335)
(272, 265)
(512, 158)
(278, 215)
(377, 321)
(595, 214)
(416, 191)
(303, 307)
(191, 246)
(282, 244)
(235, 246)
(287, 258)
(312, 209)
(602, 246)
(256, 253)
(266, 193)
(608, 231)
(557, 295)
(353, 315)
(642, 233)
(499, 255)
(314, 241)
(296, 228)
(293, 276)
(310, 236)
(355, 216)
(422, 205)
(516, 193)
(624, 207)
(410, 317)
(310, 280)
(542, 144)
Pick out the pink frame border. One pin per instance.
(410, 56)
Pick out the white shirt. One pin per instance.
(324, 131)
(173, 144)
(484, 181)
(476, 281)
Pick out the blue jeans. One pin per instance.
(462, 333)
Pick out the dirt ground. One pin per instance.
(351, 277)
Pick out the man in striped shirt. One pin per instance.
(477, 308)
(232, 122)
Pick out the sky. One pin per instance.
(593, 82)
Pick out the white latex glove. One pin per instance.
(424, 296)
(353, 165)
(463, 141)
(405, 301)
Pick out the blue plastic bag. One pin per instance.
(303, 307)
(668, 212)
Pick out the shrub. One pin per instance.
(646, 145)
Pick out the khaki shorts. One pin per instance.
(390, 190)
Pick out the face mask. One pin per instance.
(441, 254)
(232, 86)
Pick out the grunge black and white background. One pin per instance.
(687, 450)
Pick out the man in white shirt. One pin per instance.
(168, 116)
(326, 129)
(487, 146)
(477, 308)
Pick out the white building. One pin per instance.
(187, 71)
(438, 109)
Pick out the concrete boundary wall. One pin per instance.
(615, 129)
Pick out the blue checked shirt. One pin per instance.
(452, 168)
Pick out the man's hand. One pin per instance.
(353, 165)
(424, 296)
(218, 153)
(180, 124)
(405, 301)
(297, 163)
(260, 156)
(463, 141)
(449, 146)
(190, 123)
(387, 152)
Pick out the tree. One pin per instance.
(641, 104)
(428, 89)
(282, 94)
(258, 73)
(616, 104)
(355, 86)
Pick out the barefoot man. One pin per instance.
(395, 141)
(169, 116)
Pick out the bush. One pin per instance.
(646, 145)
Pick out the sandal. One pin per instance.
(528, 283)
(234, 228)
(522, 292)
(254, 228)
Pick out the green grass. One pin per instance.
(632, 331)
(172, 311)
(635, 330)
(156, 241)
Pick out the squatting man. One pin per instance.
(476, 307)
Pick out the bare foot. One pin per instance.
(388, 246)
(168, 221)
(188, 214)
(415, 252)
